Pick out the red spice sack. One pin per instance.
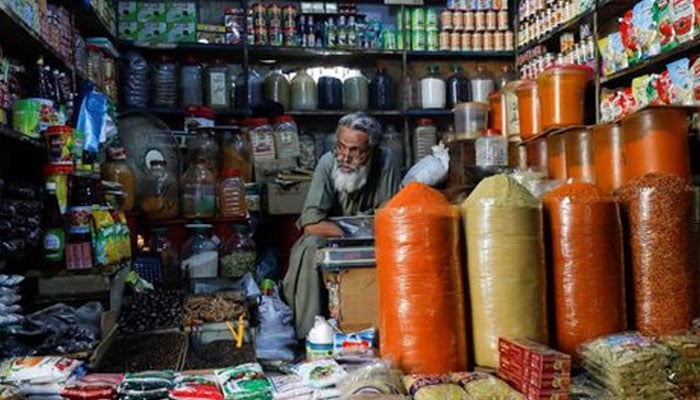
(421, 293)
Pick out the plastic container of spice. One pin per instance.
(562, 95)
(433, 89)
(304, 96)
(424, 138)
(262, 137)
(482, 84)
(382, 94)
(204, 145)
(537, 155)
(200, 255)
(165, 82)
(656, 141)
(330, 93)
(356, 92)
(497, 111)
(237, 255)
(277, 88)
(579, 155)
(491, 149)
(556, 157)
(471, 119)
(457, 87)
(510, 101)
(58, 174)
(160, 196)
(528, 109)
(218, 87)
(249, 89)
(117, 170)
(231, 194)
(198, 191)
(286, 137)
(609, 158)
(236, 150)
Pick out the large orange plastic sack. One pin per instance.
(421, 292)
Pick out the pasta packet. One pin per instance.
(434, 387)
(483, 386)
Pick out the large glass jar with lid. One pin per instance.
(236, 151)
(198, 191)
(304, 96)
(204, 145)
(231, 195)
(200, 254)
(237, 255)
(432, 89)
(159, 198)
(117, 170)
(164, 82)
(217, 86)
(356, 92)
(482, 84)
(277, 88)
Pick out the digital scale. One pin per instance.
(355, 249)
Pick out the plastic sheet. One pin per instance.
(506, 265)
(588, 264)
(421, 293)
(659, 213)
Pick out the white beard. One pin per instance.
(349, 182)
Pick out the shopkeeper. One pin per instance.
(356, 178)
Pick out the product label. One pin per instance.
(79, 219)
(217, 89)
(318, 350)
(512, 115)
(54, 245)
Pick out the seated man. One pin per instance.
(356, 178)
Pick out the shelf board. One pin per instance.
(310, 53)
(654, 64)
(496, 55)
(184, 221)
(227, 51)
(179, 112)
(90, 23)
(19, 40)
(340, 113)
(6, 132)
(431, 112)
(569, 26)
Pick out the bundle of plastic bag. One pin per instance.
(375, 378)
(92, 387)
(275, 339)
(431, 170)
(195, 387)
(10, 310)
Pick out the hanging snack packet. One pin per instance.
(244, 382)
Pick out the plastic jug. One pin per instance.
(304, 92)
(482, 85)
(319, 342)
(330, 93)
(356, 92)
(381, 91)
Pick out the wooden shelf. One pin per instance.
(6, 132)
(340, 113)
(432, 112)
(180, 112)
(480, 55)
(569, 26)
(90, 23)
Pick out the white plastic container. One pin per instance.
(433, 89)
(319, 341)
(471, 119)
(491, 149)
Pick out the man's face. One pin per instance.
(352, 149)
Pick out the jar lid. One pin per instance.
(59, 129)
(526, 85)
(255, 121)
(491, 132)
(158, 163)
(425, 121)
(494, 95)
(230, 173)
(116, 153)
(58, 169)
(284, 118)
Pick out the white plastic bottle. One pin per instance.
(319, 341)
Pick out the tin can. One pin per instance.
(274, 11)
(258, 11)
(488, 41)
(289, 37)
(446, 19)
(478, 41)
(431, 40)
(431, 19)
(462, 5)
(388, 39)
(444, 39)
(289, 17)
(484, 4)
(418, 40)
(274, 36)
(466, 41)
(418, 19)
(257, 22)
(458, 20)
(400, 40)
(502, 20)
(498, 4)
(275, 23)
(260, 35)
(455, 41)
(491, 20)
(480, 21)
(499, 41)
(509, 40)
(469, 20)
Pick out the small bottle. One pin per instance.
(54, 238)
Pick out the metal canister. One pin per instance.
(499, 41)
(289, 17)
(446, 19)
(418, 40)
(431, 19)
(488, 41)
(444, 39)
(275, 23)
(259, 22)
(260, 35)
(469, 22)
(455, 41)
(509, 41)
(431, 39)
(458, 20)
(484, 4)
(462, 5)
(480, 21)
(418, 19)
(491, 20)
(466, 41)
(502, 20)
(274, 35)
(478, 41)
(498, 4)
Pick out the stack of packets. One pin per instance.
(39, 378)
(684, 362)
(92, 386)
(534, 369)
(629, 366)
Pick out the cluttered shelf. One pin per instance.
(180, 112)
(431, 112)
(650, 65)
(227, 51)
(482, 55)
(338, 113)
(571, 25)
(313, 52)
(9, 133)
(90, 22)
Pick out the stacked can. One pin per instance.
(480, 25)
(289, 25)
(418, 29)
(272, 24)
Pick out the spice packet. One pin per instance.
(481, 385)
(606, 55)
(663, 15)
(618, 54)
(645, 29)
(681, 82)
(320, 373)
(433, 387)
(640, 92)
(695, 80)
(246, 381)
(628, 36)
(684, 20)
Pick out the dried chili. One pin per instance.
(588, 264)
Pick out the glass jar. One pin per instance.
(392, 141)
(433, 89)
(507, 75)
(231, 195)
(491, 149)
(58, 174)
(482, 85)
(307, 148)
(330, 93)
(286, 137)
(159, 199)
(191, 93)
(262, 137)
(117, 170)
(277, 88)
(381, 91)
(249, 90)
(198, 191)
(356, 92)
(164, 82)
(217, 85)
(200, 255)
(497, 111)
(424, 138)
(203, 145)
(238, 254)
(304, 96)
(236, 151)
(159, 243)
(528, 109)
(457, 88)
(510, 101)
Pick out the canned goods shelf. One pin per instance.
(493, 55)
(273, 52)
(571, 25)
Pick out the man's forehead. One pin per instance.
(346, 134)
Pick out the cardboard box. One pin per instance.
(354, 299)
(128, 11)
(182, 32)
(181, 12)
(266, 170)
(153, 32)
(128, 30)
(151, 12)
(286, 200)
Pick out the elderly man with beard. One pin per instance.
(356, 178)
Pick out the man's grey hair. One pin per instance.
(363, 122)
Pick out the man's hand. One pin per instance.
(326, 229)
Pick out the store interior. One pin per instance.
(397, 199)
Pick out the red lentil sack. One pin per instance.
(505, 265)
(421, 293)
(588, 264)
(659, 212)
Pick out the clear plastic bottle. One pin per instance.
(410, 90)
(457, 87)
(236, 151)
(198, 191)
(165, 82)
(231, 195)
(304, 96)
(200, 254)
(491, 149)
(135, 85)
(191, 93)
(286, 137)
(381, 91)
(204, 145)
(160, 198)
(433, 89)
(392, 141)
(249, 92)
(217, 78)
(356, 92)
(482, 85)
(238, 253)
(277, 88)
(424, 138)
